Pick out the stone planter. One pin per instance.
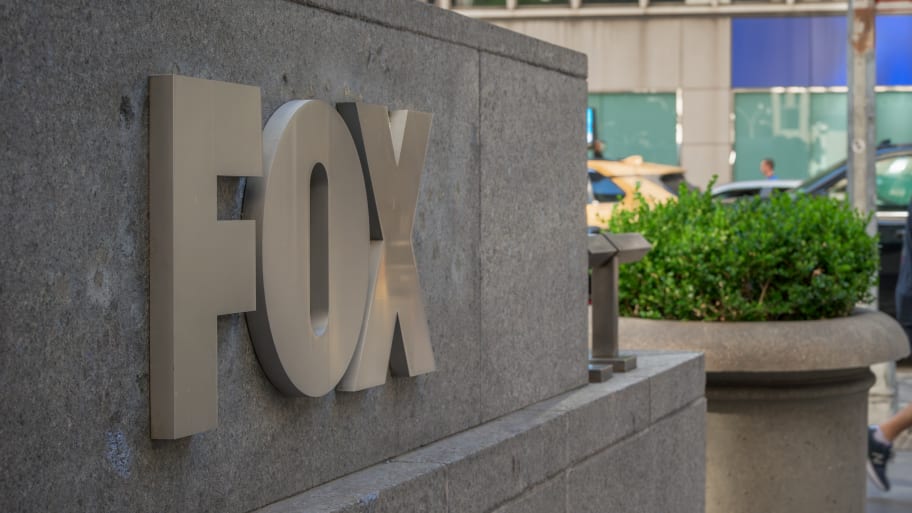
(787, 406)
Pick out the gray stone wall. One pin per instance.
(633, 444)
(499, 242)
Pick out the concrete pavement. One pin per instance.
(899, 498)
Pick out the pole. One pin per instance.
(862, 141)
(861, 78)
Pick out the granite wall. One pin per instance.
(635, 443)
(499, 242)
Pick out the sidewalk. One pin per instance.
(899, 498)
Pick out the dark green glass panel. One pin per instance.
(894, 116)
(806, 133)
(637, 124)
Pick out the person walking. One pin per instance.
(881, 437)
(880, 445)
(768, 168)
(598, 150)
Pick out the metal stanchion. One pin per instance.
(606, 253)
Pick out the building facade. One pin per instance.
(717, 86)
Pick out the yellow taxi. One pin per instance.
(613, 183)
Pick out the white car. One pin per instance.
(733, 191)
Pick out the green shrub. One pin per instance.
(782, 258)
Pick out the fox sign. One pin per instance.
(322, 261)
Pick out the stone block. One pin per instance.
(533, 259)
(492, 463)
(659, 469)
(702, 43)
(612, 480)
(661, 64)
(489, 465)
(702, 161)
(388, 487)
(679, 460)
(599, 415)
(519, 463)
(706, 116)
(424, 19)
(548, 497)
(676, 379)
(723, 52)
(605, 59)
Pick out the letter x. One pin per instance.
(394, 331)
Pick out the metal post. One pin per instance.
(605, 325)
(601, 283)
(606, 253)
(862, 140)
(862, 78)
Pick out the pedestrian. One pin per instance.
(881, 437)
(768, 168)
(598, 147)
(880, 445)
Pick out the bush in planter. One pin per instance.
(782, 258)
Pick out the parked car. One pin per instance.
(613, 183)
(734, 190)
(894, 188)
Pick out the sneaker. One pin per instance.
(878, 455)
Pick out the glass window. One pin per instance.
(894, 182)
(894, 110)
(637, 124)
(803, 133)
(806, 133)
(829, 131)
(731, 196)
(737, 193)
(603, 188)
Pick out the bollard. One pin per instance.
(606, 252)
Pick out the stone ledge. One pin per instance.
(660, 469)
(859, 340)
(452, 27)
(492, 465)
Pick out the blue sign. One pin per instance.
(590, 125)
(812, 51)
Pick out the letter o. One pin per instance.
(313, 237)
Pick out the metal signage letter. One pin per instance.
(199, 267)
(312, 248)
(394, 332)
(323, 262)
